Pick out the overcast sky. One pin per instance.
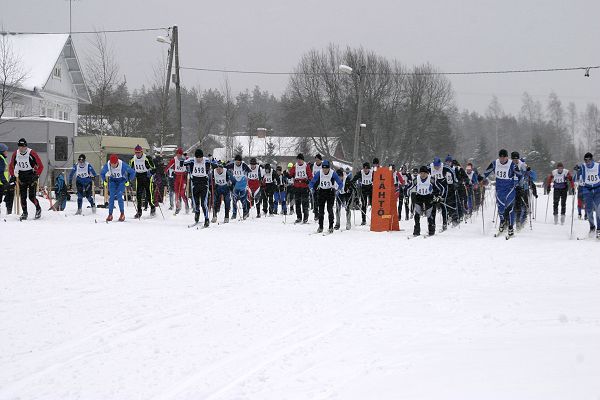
(272, 35)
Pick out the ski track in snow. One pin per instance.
(257, 309)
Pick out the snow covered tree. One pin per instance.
(539, 157)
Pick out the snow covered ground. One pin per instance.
(261, 310)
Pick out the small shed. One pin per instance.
(97, 149)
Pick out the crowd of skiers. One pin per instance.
(448, 188)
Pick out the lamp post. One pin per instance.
(174, 54)
(360, 73)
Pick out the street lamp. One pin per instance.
(360, 73)
(173, 52)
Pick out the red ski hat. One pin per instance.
(114, 159)
(137, 148)
(179, 151)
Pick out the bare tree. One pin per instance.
(591, 126)
(229, 117)
(12, 74)
(572, 122)
(102, 73)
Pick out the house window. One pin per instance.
(61, 148)
(50, 112)
(60, 114)
(57, 72)
(65, 116)
(19, 110)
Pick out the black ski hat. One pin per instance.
(81, 157)
(588, 155)
(198, 153)
(22, 142)
(268, 166)
(300, 156)
(376, 161)
(515, 155)
(319, 157)
(238, 157)
(340, 172)
(503, 153)
(415, 170)
(423, 169)
(253, 161)
(366, 165)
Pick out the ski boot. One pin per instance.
(137, 215)
(363, 222)
(206, 223)
(562, 219)
(109, 218)
(337, 226)
(23, 217)
(122, 217)
(170, 208)
(348, 226)
(38, 213)
(598, 234)
(501, 227)
(234, 216)
(258, 214)
(555, 219)
(320, 230)
(444, 227)
(305, 221)
(94, 209)
(226, 220)
(177, 210)
(78, 211)
(330, 230)
(196, 217)
(297, 221)
(590, 234)
(152, 211)
(511, 232)
(214, 219)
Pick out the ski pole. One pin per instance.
(547, 202)
(572, 213)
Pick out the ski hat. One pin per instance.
(560, 165)
(179, 151)
(325, 164)
(198, 153)
(253, 161)
(290, 165)
(515, 155)
(138, 148)
(268, 166)
(366, 165)
(3, 148)
(415, 170)
(114, 159)
(318, 157)
(503, 153)
(436, 162)
(376, 161)
(22, 142)
(300, 156)
(219, 164)
(448, 158)
(588, 155)
(423, 169)
(278, 168)
(81, 157)
(238, 157)
(340, 172)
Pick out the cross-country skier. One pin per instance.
(223, 182)
(180, 183)
(302, 175)
(440, 174)
(4, 176)
(507, 176)
(589, 181)
(561, 180)
(281, 180)
(365, 179)
(314, 198)
(427, 193)
(199, 169)
(343, 199)
(255, 184)
(404, 181)
(268, 187)
(472, 187)
(26, 166)
(240, 172)
(118, 173)
(144, 169)
(84, 173)
(290, 195)
(324, 181)
(525, 184)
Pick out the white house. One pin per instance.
(54, 83)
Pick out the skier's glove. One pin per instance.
(436, 199)
(12, 181)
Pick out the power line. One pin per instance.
(508, 71)
(87, 32)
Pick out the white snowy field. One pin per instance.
(261, 310)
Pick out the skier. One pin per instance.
(269, 187)
(507, 175)
(302, 175)
(62, 194)
(562, 180)
(365, 179)
(452, 204)
(240, 171)
(472, 186)
(524, 185)
(180, 183)
(198, 169)
(314, 198)
(84, 173)
(343, 199)
(461, 188)
(439, 174)
(223, 181)
(403, 195)
(144, 169)
(290, 195)
(26, 166)
(427, 193)
(4, 177)
(325, 181)
(170, 172)
(117, 173)
(282, 182)
(254, 183)
(589, 181)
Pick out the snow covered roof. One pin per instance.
(38, 55)
(285, 146)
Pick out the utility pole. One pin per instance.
(175, 42)
(361, 83)
(166, 92)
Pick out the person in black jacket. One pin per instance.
(365, 179)
(343, 199)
